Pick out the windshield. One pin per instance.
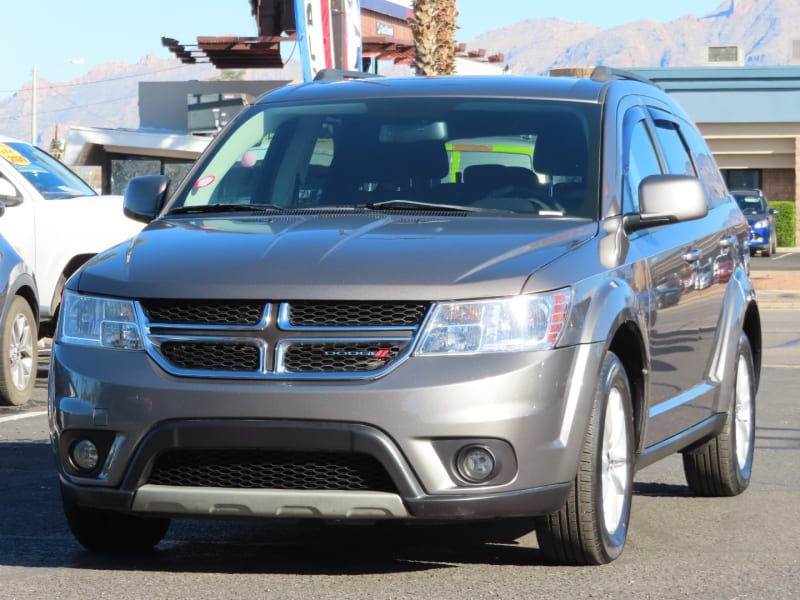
(534, 158)
(751, 204)
(51, 178)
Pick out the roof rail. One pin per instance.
(341, 75)
(603, 73)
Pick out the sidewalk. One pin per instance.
(777, 289)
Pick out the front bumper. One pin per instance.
(759, 237)
(530, 409)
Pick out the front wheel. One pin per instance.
(591, 527)
(18, 354)
(722, 465)
(100, 530)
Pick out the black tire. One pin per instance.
(585, 531)
(774, 243)
(100, 530)
(18, 354)
(722, 466)
(767, 250)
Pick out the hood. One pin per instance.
(98, 221)
(332, 257)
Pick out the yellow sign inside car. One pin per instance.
(12, 155)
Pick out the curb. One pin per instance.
(778, 299)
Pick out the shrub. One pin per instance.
(785, 221)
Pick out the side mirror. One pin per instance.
(9, 194)
(145, 196)
(773, 211)
(667, 199)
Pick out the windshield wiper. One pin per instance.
(402, 204)
(221, 208)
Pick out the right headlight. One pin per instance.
(521, 323)
(97, 321)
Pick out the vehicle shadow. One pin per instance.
(34, 533)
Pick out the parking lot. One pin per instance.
(679, 545)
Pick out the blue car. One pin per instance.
(763, 235)
(19, 322)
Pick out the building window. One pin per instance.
(724, 54)
(123, 168)
(743, 179)
(210, 112)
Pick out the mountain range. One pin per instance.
(763, 30)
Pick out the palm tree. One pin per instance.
(434, 26)
(446, 37)
(426, 40)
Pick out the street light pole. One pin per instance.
(35, 101)
(33, 109)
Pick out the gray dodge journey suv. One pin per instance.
(415, 299)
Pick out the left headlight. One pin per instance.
(97, 321)
(761, 224)
(521, 323)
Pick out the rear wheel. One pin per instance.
(106, 531)
(722, 466)
(18, 354)
(591, 528)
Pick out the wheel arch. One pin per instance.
(740, 314)
(629, 346)
(25, 286)
(615, 315)
(75, 263)
(752, 329)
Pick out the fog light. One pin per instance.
(475, 463)
(85, 455)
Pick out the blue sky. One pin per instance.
(53, 34)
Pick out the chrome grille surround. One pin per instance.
(329, 340)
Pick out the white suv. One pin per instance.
(54, 219)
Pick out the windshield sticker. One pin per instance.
(249, 159)
(204, 182)
(12, 155)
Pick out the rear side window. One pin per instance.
(707, 169)
(687, 153)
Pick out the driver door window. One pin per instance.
(640, 159)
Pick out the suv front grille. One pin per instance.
(271, 469)
(356, 314)
(192, 312)
(213, 356)
(261, 339)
